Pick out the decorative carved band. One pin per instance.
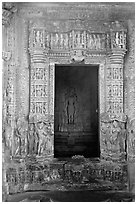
(116, 56)
(114, 38)
(8, 10)
(68, 40)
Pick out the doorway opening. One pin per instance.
(76, 123)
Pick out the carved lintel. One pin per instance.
(6, 56)
(77, 56)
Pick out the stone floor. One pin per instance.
(72, 196)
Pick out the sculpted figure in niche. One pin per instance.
(6, 135)
(114, 136)
(31, 138)
(122, 134)
(131, 138)
(42, 137)
(18, 141)
(36, 140)
(21, 136)
(49, 140)
(71, 106)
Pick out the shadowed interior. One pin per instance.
(76, 110)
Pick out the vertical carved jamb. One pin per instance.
(51, 88)
(38, 73)
(51, 99)
(101, 87)
(115, 72)
(113, 121)
(11, 84)
(24, 72)
(101, 61)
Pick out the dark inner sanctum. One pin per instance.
(76, 111)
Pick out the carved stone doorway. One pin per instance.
(76, 123)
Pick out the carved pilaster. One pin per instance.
(114, 80)
(39, 88)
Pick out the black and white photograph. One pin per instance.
(68, 101)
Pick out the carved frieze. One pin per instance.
(75, 39)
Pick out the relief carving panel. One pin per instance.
(113, 141)
(68, 40)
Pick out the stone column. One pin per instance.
(113, 121)
(114, 79)
(41, 90)
(39, 75)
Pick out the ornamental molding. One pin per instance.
(116, 56)
(8, 10)
(79, 43)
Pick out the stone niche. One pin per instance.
(73, 46)
(75, 113)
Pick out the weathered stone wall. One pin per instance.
(129, 71)
(37, 43)
(22, 71)
(129, 87)
(20, 59)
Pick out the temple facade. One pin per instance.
(68, 89)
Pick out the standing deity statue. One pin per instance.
(71, 100)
